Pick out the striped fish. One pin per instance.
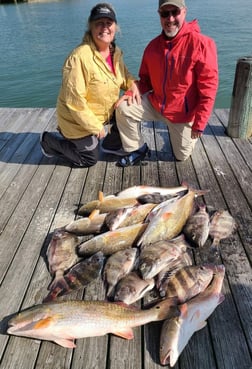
(189, 281)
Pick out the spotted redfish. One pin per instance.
(65, 321)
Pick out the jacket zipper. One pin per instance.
(166, 77)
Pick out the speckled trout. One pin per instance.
(65, 321)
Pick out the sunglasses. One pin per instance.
(169, 13)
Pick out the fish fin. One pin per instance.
(184, 184)
(69, 343)
(58, 284)
(201, 325)
(43, 323)
(52, 295)
(221, 299)
(94, 213)
(126, 333)
(196, 317)
(184, 310)
(100, 196)
(123, 304)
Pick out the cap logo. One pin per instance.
(104, 10)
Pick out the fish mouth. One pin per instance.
(165, 360)
(19, 328)
(214, 268)
(14, 329)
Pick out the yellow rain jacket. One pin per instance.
(89, 90)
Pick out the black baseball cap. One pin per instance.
(102, 10)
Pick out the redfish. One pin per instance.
(65, 321)
(112, 241)
(94, 223)
(105, 204)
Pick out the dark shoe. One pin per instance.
(134, 157)
(42, 144)
(112, 141)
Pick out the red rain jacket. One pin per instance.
(182, 75)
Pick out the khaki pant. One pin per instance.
(129, 117)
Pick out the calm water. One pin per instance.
(36, 38)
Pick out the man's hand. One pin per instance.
(196, 134)
(131, 96)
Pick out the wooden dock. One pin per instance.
(39, 194)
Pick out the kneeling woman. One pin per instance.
(93, 75)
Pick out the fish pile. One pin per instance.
(142, 240)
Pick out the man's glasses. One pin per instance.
(169, 13)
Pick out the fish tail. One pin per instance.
(214, 247)
(200, 192)
(100, 196)
(94, 213)
(57, 285)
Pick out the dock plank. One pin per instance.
(39, 195)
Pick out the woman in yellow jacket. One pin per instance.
(93, 75)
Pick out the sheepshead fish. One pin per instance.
(64, 321)
(112, 241)
(137, 191)
(197, 227)
(222, 225)
(61, 255)
(80, 275)
(163, 277)
(176, 332)
(188, 282)
(117, 266)
(132, 288)
(170, 218)
(127, 216)
(107, 204)
(153, 258)
(94, 223)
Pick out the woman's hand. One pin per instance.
(101, 134)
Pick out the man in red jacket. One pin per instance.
(178, 83)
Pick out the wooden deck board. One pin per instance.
(38, 194)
